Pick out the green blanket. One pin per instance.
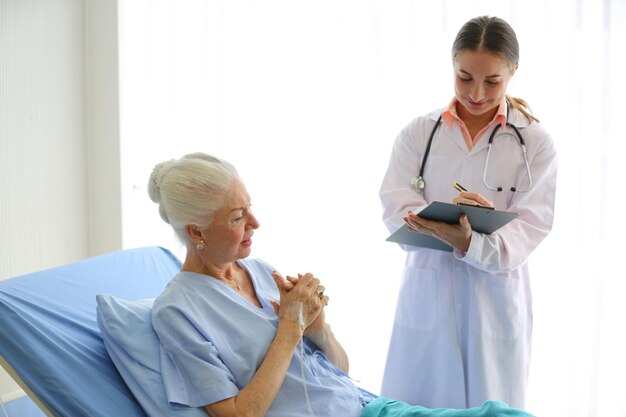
(384, 407)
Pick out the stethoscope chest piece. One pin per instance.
(417, 183)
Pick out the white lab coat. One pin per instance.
(463, 323)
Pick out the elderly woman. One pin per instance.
(237, 338)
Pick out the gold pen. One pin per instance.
(458, 186)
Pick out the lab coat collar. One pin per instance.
(444, 129)
(516, 118)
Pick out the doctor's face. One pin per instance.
(480, 81)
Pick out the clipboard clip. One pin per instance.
(476, 205)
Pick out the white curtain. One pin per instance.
(305, 98)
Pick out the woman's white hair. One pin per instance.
(190, 190)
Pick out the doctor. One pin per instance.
(463, 323)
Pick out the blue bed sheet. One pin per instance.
(50, 336)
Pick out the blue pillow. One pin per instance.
(133, 346)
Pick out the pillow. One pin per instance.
(134, 348)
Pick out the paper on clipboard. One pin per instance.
(483, 220)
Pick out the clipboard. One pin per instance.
(483, 220)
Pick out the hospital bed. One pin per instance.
(79, 340)
(50, 341)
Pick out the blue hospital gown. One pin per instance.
(213, 340)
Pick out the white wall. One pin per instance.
(59, 153)
(102, 126)
(43, 209)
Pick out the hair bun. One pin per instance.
(159, 172)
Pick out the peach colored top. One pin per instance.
(450, 115)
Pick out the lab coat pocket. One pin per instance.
(500, 308)
(417, 302)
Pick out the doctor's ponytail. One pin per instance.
(497, 37)
(522, 107)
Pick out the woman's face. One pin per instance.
(229, 236)
(480, 81)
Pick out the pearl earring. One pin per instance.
(200, 245)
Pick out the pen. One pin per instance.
(458, 186)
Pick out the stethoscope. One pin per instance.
(418, 183)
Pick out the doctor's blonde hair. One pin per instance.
(495, 36)
(190, 190)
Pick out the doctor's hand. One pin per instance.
(458, 236)
(467, 197)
